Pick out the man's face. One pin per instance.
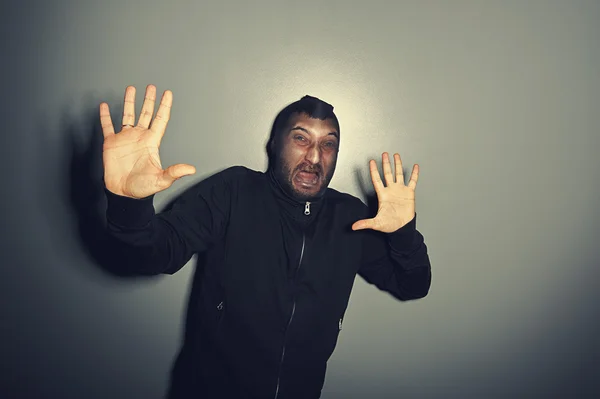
(306, 156)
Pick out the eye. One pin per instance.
(298, 137)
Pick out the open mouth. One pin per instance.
(307, 179)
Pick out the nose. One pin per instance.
(313, 155)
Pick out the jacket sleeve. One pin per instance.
(397, 262)
(150, 243)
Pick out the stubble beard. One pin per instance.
(285, 173)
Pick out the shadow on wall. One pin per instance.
(367, 193)
(85, 189)
(86, 192)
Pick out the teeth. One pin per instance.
(314, 179)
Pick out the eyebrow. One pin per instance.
(334, 133)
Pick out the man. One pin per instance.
(278, 251)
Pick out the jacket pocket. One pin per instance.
(329, 339)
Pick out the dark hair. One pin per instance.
(312, 106)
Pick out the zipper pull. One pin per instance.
(307, 208)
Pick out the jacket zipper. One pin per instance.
(307, 208)
(292, 314)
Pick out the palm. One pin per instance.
(396, 201)
(131, 158)
(135, 167)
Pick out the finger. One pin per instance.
(399, 172)
(106, 121)
(147, 107)
(129, 107)
(159, 124)
(387, 169)
(414, 177)
(175, 172)
(363, 224)
(377, 183)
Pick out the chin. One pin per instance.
(286, 177)
(304, 194)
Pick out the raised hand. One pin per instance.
(132, 166)
(396, 200)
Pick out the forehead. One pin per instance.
(313, 125)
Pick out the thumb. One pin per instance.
(175, 172)
(363, 224)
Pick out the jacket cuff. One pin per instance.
(129, 212)
(402, 239)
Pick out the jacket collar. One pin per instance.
(296, 209)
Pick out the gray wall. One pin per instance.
(497, 102)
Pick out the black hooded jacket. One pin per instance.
(272, 282)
